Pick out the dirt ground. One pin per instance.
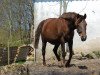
(84, 67)
(78, 67)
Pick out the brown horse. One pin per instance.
(58, 31)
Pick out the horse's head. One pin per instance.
(78, 21)
(81, 26)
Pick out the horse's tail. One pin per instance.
(37, 34)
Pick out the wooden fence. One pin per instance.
(15, 54)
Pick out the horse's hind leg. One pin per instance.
(43, 52)
(55, 51)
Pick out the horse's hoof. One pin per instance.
(59, 64)
(70, 65)
(44, 64)
(67, 65)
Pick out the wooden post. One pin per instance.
(34, 40)
(34, 47)
(8, 54)
(35, 55)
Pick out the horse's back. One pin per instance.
(54, 28)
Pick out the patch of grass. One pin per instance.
(92, 55)
(97, 53)
(21, 61)
(83, 55)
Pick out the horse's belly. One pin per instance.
(54, 42)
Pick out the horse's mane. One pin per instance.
(68, 15)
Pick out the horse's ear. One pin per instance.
(78, 15)
(85, 16)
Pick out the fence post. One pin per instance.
(8, 54)
(35, 55)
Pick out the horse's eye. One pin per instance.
(79, 29)
(79, 32)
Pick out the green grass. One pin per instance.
(21, 61)
(92, 55)
(97, 53)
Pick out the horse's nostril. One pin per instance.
(83, 38)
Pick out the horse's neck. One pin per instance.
(71, 24)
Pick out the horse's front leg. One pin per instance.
(70, 44)
(63, 50)
(43, 52)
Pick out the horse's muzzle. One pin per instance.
(83, 38)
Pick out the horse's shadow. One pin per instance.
(60, 66)
(83, 67)
(71, 65)
(80, 66)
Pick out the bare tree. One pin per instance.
(17, 20)
(63, 6)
